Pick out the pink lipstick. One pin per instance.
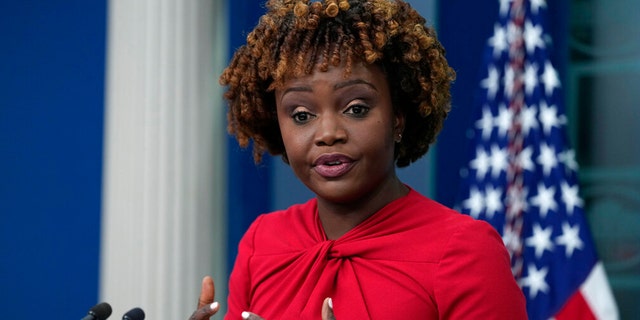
(332, 165)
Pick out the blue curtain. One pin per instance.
(248, 184)
(52, 58)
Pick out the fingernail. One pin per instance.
(330, 303)
(245, 315)
(213, 305)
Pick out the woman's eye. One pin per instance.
(357, 110)
(301, 117)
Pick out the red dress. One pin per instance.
(414, 259)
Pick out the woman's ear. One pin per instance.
(398, 126)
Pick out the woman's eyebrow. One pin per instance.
(297, 89)
(354, 82)
(337, 86)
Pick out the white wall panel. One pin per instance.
(163, 196)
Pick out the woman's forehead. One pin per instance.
(358, 71)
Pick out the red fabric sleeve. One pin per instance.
(473, 278)
(240, 279)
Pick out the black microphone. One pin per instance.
(134, 314)
(100, 311)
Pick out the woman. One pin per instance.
(346, 91)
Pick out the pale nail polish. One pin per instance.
(330, 303)
(245, 315)
(213, 305)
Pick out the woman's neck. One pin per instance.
(338, 218)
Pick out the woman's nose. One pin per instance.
(330, 131)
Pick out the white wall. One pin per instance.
(164, 215)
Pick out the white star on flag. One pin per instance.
(530, 78)
(547, 158)
(570, 238)
(532, 37)
(498, 160)
(550, 78)
(499, 40)
(475, 203)
(504, 6)
(544, 200)
(524, 159)
(549, 118)
(535, 280)
(481, 163)
(537, 4)
(493, 201)
(528, 120)
(485, 124)
(492, 82)
(570, 197)
(504, 120)
(568, 158)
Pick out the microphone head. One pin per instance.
(134, 314)
(100, 311)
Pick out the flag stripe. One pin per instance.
(576, 308)
(597, 293)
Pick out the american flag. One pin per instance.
(522, 174)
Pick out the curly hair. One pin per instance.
(298, 37)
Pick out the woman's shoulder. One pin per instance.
(432, 212)
(284, 230)
(439, 231)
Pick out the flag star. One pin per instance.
(540, 240)
(491, 82)
(528, 119)
(509, 81)
(499, 160)
(485, 124)
(493, 201)
(568, 158)
(570, 196)
(504, 6)
(550, 78)
(537, 4)
(481, 163)
(517, 200)
(547, 158)
(544, 199)
(535, 280)
(549, 117)
(504, 120)
(524, 159)
(475, 203)
(530, 77)
(570, 238)
(499, 40)
(532, 37)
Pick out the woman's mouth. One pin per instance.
(332, 165)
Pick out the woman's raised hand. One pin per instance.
(206, 306)
(327, 309)
(327, 312)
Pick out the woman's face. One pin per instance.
(339, 132)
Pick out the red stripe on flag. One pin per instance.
(576, 308)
